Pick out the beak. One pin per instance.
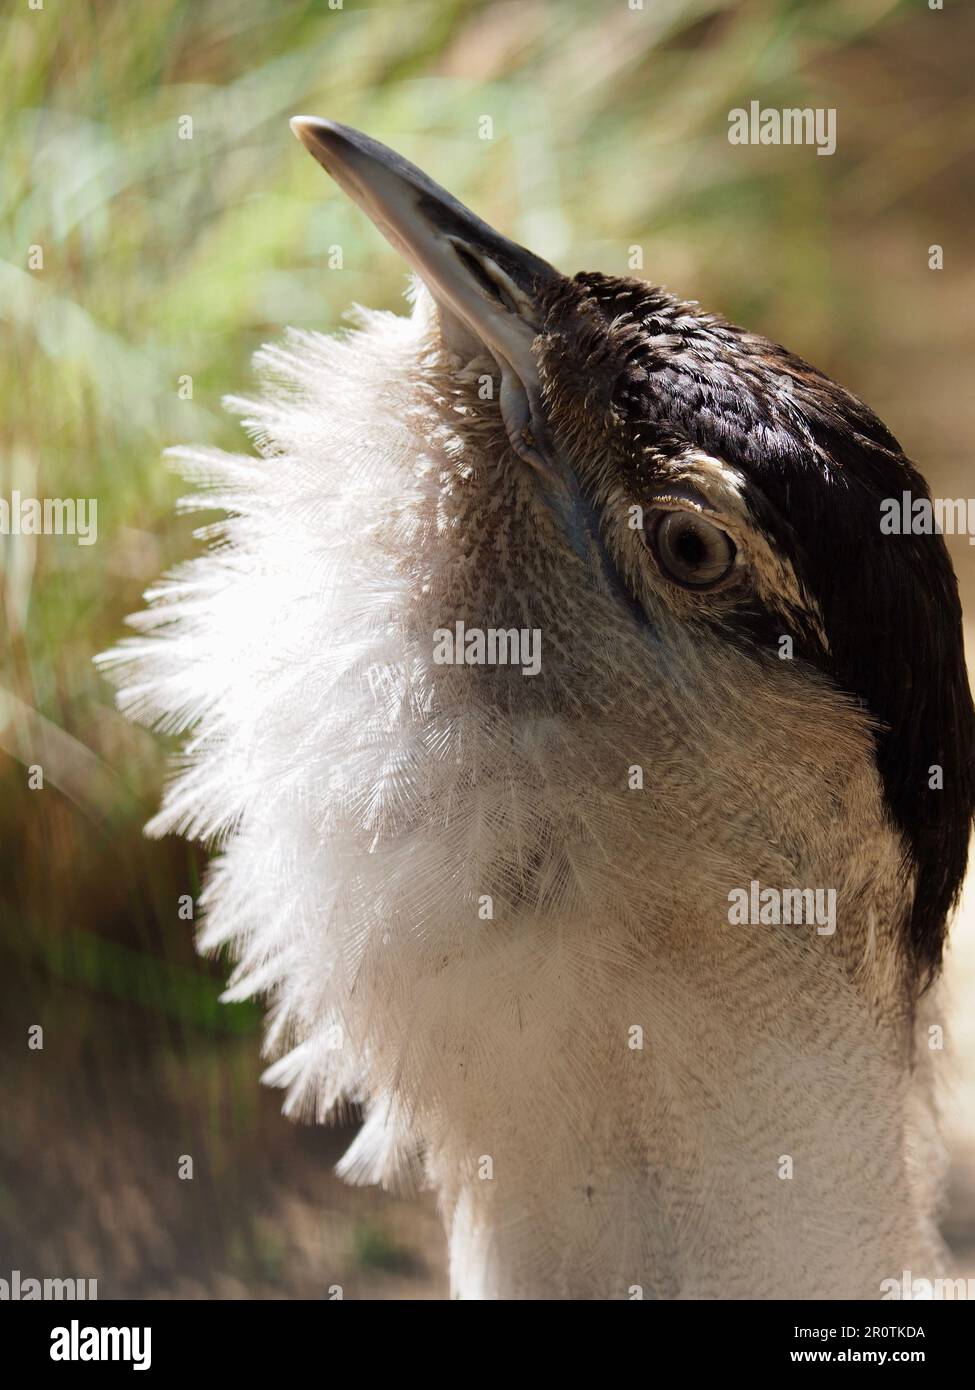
(486, 287)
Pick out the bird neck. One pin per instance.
(688, 1125)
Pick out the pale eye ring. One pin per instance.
(690, 550)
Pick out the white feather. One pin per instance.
(364, 800)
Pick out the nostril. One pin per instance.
(480, 275)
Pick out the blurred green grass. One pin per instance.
(166, 258)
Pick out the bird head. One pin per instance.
(690, 516)
(464, 873)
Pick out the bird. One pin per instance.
(588, 775)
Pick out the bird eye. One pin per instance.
(690, 550)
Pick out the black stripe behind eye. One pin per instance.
(817, 465)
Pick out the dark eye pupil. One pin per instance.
(692, 551)
(691, 548)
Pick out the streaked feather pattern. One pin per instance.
(364, 801)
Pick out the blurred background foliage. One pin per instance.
(166, 258)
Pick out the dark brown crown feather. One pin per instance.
(818, 464)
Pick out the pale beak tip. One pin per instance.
(316, 133)
(302, 126)
(328, 142)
